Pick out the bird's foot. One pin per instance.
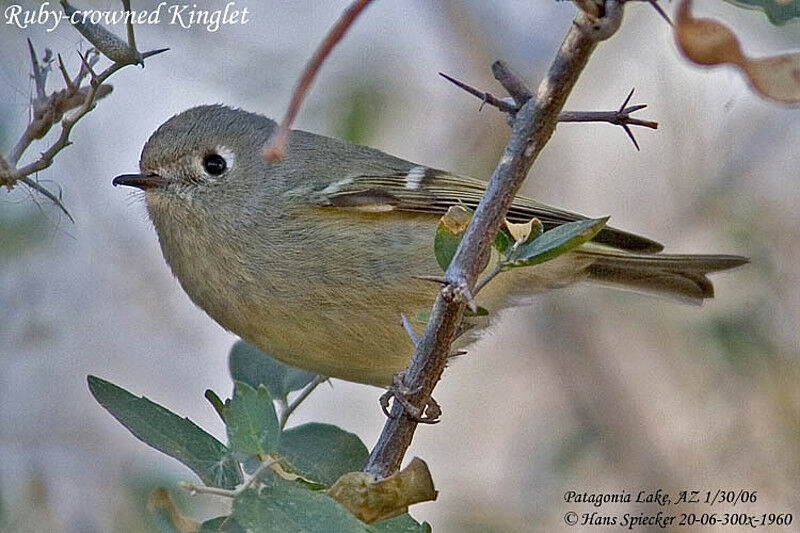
(430, 413)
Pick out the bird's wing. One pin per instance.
(425, 190)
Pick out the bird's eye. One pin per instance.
(214, 164)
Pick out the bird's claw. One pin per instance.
(429, 414)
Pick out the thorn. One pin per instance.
(410, 330)
(633, 108)
(151, 53)
(126, 5)
(485, 97)
(70, 85)
(630, 134)
(661, 12)
(470, 301)
(627, 99)
(34, 59)
(87, 64)
(39, 76)
(435, 279)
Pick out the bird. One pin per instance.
(315, 258)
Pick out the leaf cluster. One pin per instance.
(519, 245)
(294, 467)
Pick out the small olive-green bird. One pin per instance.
(312, 258)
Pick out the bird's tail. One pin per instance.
(682, 277)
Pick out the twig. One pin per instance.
(511, 82)
(64, 74)
(47, 194)
(276, 146)
(532, 127)
(620, 117)
(489, 277)
(498, 267)
(294, 404)
(194, 488)
(47, 113)
(263, 467)
(52, 109)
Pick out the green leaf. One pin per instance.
(252, 366)
(323, 452)
(449, 233)
(168, 433)
(777, 12)
(479, 311)
(555, 242)
(252, 423)
(221, 524)
(503, 242)
(423, 315)
(288, 507)
(401, 524)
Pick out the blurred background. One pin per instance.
(587, 389)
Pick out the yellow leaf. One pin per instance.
(371, 500)
(708, 42)
(284, 470)
(457, 219)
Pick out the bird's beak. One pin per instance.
(140, 181)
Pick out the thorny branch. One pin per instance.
(75, 98)
(621, 117)
(276, 146)
(532, 126)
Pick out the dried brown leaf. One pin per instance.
(372, 500)
(522, 232)
(708, 42)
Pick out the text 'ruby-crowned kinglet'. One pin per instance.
(312, 258)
